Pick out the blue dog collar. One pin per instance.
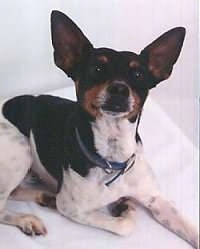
(118, 166)
(123, 167)
(109, 167)
(112, 166)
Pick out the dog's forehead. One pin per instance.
(107, 55)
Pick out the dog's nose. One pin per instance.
(118, 89)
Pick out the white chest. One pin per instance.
(83, 194)
(114, 139)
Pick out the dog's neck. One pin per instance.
(114, 138)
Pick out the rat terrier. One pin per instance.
(89, 151)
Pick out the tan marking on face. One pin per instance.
(90, 102)
(103, 59)
(136, 106)
(134, 64)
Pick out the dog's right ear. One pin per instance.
(162, 54)
(69, 43)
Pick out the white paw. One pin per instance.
(125, 227)
(31, 225)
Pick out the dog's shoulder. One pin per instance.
(44, 119)
(49, 126)
(53, 130)
(18, 112)
(26, 111)
(51, 113)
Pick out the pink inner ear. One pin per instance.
(68, 41)
(164, 52)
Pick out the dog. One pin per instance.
(89, 152)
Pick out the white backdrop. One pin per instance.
(26, 61)
(26, 66)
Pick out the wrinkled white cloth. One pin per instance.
(174, 160)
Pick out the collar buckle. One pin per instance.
(108, 170)
(129, 164)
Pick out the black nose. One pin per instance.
(118, 89)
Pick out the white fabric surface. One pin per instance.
(174, 161)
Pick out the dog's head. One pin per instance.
(107, 81)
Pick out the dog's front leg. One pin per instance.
(41, 197)
(122, 225)
(28, 223)
(166, 214)
(145, 190)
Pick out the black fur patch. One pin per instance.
(18, 111)
(52, 121)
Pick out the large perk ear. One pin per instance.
(162, 53)
(69, 43)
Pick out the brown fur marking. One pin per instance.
(90, 102)
(134, 64)
(136, 106)
(103, 59)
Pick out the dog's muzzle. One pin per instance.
(117, 98)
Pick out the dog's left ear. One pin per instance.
(162, 53)
(69, 43)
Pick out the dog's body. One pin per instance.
(90, 151)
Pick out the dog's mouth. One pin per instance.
(114, 99)
(115, 105)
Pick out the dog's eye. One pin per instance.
(98, 68)
(138, 74)
(98, 72)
